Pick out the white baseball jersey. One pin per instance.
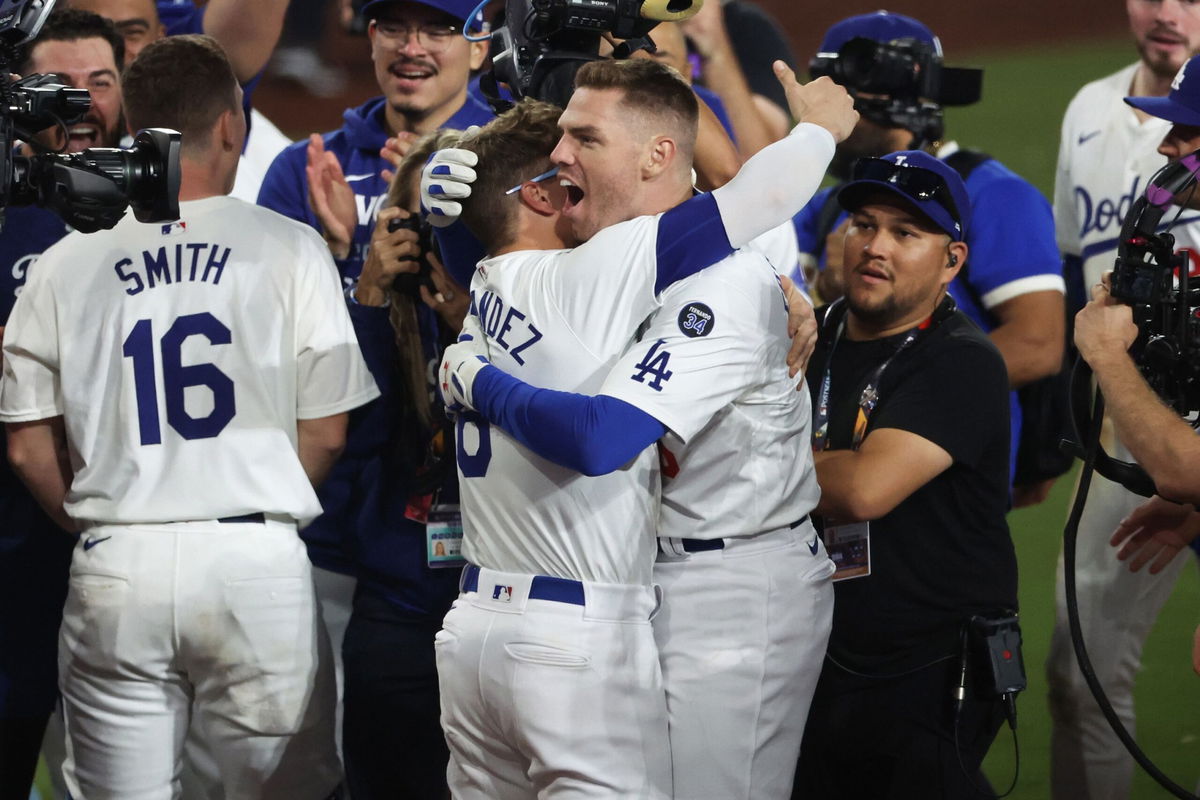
(780, 247)
(1105, 160)
(560, 319)
(181, 355)
(711, 366)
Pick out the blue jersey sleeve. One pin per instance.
(691, 236)
(591, 435)
(1017, 239)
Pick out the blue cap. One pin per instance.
(459, 9)
(1182, 105)
(929, 184)
(881, 26)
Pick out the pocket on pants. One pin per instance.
(547, 655)
(92, 615)
(271, 653)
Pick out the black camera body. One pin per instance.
(90, 189)
(410, 282)
(1156, 283)
(900, 84)
(543, 43)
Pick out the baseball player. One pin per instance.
(562, 318)
(746, 580)
(174, 391)
(1107, 154)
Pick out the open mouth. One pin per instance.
(575, 195)
(411, 72)
(83, 135)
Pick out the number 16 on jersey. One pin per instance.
(139, 346)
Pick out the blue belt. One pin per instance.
(704, 545)
(543, 587)
(258, 518)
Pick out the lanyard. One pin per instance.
(869, 398)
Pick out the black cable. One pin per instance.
(1070, 537)
(1010, 711)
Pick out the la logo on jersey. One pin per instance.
(174, 228)
(502, 593)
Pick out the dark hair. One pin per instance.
(180, 82)
(512, 148)
(69, 25)
(649, 88)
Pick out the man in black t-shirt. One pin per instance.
(911, 431)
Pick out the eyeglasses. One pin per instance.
(550, 173)
(918, 182)
(432, 36)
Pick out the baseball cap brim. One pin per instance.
(854, 195)
(1165, 108)
(459, 9)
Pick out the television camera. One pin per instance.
(900, 84)
(90, 189)
(542, 43)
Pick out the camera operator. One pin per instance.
(1012, 288)
(1162, 443)
(1108, 153)
(85, 52)
(911, 437)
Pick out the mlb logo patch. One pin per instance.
(174, 228)
(502, 593)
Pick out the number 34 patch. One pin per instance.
(696, 320)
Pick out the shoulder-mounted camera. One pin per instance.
(543, 43)
(1156, 283)
(901, 83)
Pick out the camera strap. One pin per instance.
(868, 398)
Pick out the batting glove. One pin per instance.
(461, 362)
(446, 179)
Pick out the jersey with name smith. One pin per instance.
(181, 355)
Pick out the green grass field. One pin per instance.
(1025, 95)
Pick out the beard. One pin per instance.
(880, 315)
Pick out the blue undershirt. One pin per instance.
(591, 435)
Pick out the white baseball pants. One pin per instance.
(552, 698)
(204, 619)
(742, 637)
